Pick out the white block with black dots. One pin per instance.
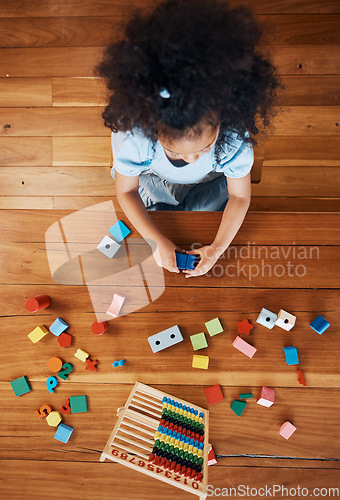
(166, 338)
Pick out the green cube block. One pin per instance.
(246, 395)
(238, 407)
(214, 327)
(198, 341)
(20, 386)
(78, 404)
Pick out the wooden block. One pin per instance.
(98, 328)
(116, 305)
(35, 304)
(200, 361)
(291, 355)
(267, 318)
(119, 231)
(54, 418)
(54, 364)
(120, 362)
(287, 429)
(20, 386)
(244, 326)
(82, 355)
(301, 378)
(58, 327)
(108, 247)
(246, 395)
(38, 333)
(214, 327)
(181, 260)
(214, 394)
(166, 338)
(78, 404)
(285, 320)
(198, 341)
(65, 340)
(91, 365)
(244, 347)
(51, 383)
(266, 396)
(319, 324)
(238, 407)
(211, 457)
(63, 433)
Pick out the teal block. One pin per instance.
(119, 231)
(198, 341)
(63, 433)
(20, 386)
(238, 407)
(246, 395)
(291, 355)
(78, 404)
(214, 327)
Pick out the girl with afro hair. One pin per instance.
(187, 86)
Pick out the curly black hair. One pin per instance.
(207, 55)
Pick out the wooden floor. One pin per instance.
(50, 124)
(55, 158)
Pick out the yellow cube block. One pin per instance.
(82, 355)
(200, 361)
(38, 333)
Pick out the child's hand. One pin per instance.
(209, 255)
(165, 255)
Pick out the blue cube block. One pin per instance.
(119, 231)
(181, 260)
(191, 261)
(291, 355)
(63, 433)
(58, 327)
(319, 324)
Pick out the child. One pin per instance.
(186, 87)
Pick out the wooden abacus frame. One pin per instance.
(132, 438)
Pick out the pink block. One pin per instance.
(244, 347)
(116, 305)
(266, 396)
(287, 429)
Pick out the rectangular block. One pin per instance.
(116, 305)
(119, 231)
(244, 347)
(82, 355)
(58, 327)
(266, 396)
(166, 338)
(78, 404)
(291, 355)
(181, 260)
(108, 247)
(246, 395)
(63, 433)
(214, 327)
(200, 362)
(267, 318)
(214, 394)
(198, 341)
(20, 386)
(38, 333)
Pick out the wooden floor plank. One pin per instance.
(97, 31)
(26, 151)
(81, 61)
(39, 8)
(259, 228)
(19, 92)
(274, 204)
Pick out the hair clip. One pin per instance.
(164, 93)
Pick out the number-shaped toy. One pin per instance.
(51, 383)
(66, 370)
(43, 411)
(66, 409)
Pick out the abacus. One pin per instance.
(163, 437)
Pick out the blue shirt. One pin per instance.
(133, 154)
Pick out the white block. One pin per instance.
(267, 318)
(285, 320)
(264, 402)
(108, 247)
(166, 338)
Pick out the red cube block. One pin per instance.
(214, 394)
